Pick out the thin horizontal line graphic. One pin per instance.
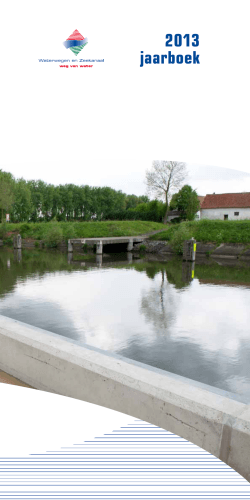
(134, 462)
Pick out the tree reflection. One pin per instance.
(159, 304)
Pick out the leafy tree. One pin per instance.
(22, 206)
(36, 199)
(132, 201)
(164, 178)
(87, 202)
(173, 203)
(143, 199)
(7, 184)
(153, 210)
(56, 202)
(187, 201)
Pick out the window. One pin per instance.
(236, 213)
(225, 216)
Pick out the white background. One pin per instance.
(36, 422)
(193, 113)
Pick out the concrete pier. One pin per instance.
(17, 241)
(99, 248)
(70, 247)
(208, 417)
(130, 245)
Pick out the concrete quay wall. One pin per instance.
(45, 361)
(224, 250)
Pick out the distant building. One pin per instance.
(228, 206)
(174, 214)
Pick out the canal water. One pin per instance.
(193, 322)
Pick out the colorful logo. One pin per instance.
(75, 42)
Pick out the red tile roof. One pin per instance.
(227, 200)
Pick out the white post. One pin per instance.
(130, 246)
(70, 246)
(99, 248)
(193, 249)
(189, 250)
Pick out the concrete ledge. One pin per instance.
(216, 423)
(155, 247)
(227, 250)
(109, 240)
(205, 248)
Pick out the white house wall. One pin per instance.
(218, 213)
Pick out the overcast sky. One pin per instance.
(129, 175)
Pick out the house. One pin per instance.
(227, 206)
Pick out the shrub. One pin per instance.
(142, 248)
(54, 236)
(24, 229)
(3, 230)
(8, 241)
(180, 235)
(176, 220)
(68, 231)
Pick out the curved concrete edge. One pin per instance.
(218, 424)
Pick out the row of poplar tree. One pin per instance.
(36, 201)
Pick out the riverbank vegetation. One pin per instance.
(59, 231)
(207, 231)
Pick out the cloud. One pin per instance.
(212, 179)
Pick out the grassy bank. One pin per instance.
(40, 231)
(208, 231)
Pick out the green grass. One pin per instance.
(211, 231)
(38, 231)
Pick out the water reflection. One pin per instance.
(190, 321)
(17, 253)
(188, 271)
(99, 260)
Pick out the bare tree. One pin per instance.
(164, 178)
